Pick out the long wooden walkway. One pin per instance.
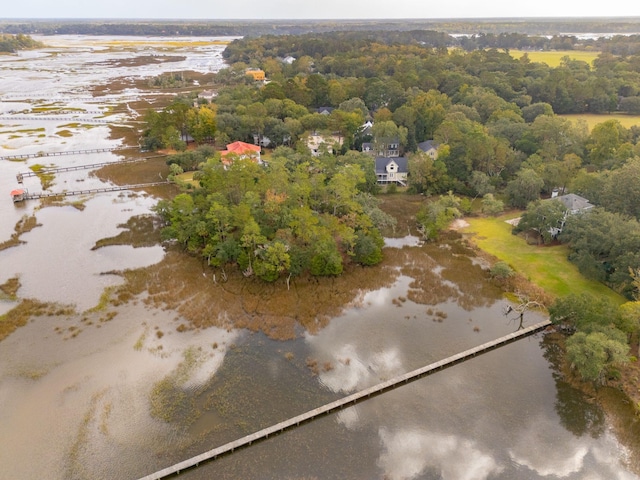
(52, 118)
(346, 401)
(66, 152)
(73, 168)
(69, 193)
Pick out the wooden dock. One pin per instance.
(58, 99)
(69, 193)
(66, 152)
(346, 402)
(31, 173)
(53, 118)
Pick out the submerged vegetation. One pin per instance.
(24, 225)
(25, 311)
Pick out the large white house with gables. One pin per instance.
(392, 170)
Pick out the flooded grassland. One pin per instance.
(121, 356)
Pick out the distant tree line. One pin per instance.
(547, 27)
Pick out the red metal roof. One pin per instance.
(241, 147)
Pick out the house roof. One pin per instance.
(428, 145)
(574, 202)
(324, 110)
(382, 162)
(240, 148)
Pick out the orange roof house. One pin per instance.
(18, 195)
(258, 75)
(240, 150)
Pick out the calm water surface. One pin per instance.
(87, 397)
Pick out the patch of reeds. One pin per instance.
(28, 309)
(24, 225)
(9, 289)
(141, 231)
(104, 300)
(46, 178)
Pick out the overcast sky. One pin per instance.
(315, 9)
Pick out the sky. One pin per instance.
(316, 9)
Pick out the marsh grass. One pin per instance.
(103, 302)
(33, 374)
(169, 400)
(76, 467)
(62, 201)
(24, 225)
(46, 178)
(140, 342)
(140, 231)
(9, 289)
(28, 309)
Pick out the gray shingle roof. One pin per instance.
(574, 202)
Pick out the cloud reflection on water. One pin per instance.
(409, 453)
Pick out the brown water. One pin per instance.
(98, 396)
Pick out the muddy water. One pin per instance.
(121, 392)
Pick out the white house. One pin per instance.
(319, 143)
(392, 170)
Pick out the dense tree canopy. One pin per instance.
(293, 215)
(600, 341)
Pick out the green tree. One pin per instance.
(326, 259)
(585, 313)
(272, 260)
(427, 175)
(533, 111)
(437, 215)
(604, 141)
(492, 205)
(368, 248)
(621, 190)
(201, 124)
(592, 354)
(545, 217)
(525, 188)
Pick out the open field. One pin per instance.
(545, 266)
(593, 119)
(553, 58)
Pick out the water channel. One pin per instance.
(91, 396)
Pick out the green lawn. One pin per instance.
(545, 266)
(593, 119)
(553, 58)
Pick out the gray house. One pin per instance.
(574, 203)
(430, 148)
(392, 170)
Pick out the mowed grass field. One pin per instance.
(593, 119)
(545, 266)
(553, 58)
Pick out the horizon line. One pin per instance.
(354, 19)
